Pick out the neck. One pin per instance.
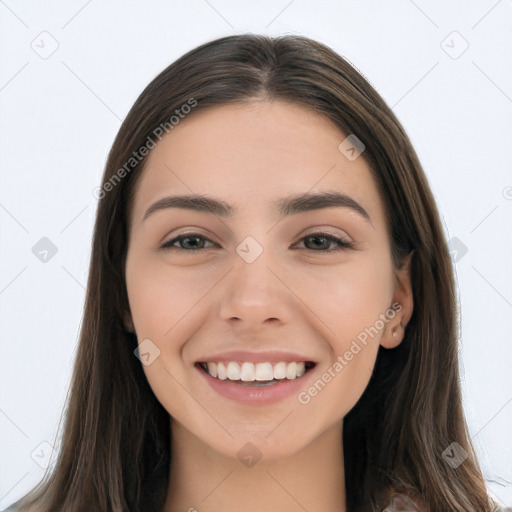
(203, 480)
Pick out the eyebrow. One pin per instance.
(291, 205)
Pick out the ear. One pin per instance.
(402, 304)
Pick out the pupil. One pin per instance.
(185, 241)
(319, 238)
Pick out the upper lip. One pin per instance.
(270, 356)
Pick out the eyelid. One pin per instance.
(343, 242)
(190, 231)
(168, 243)
(329, 231)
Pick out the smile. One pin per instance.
(259, 374)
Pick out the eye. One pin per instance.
(184, 240)
(324, 238)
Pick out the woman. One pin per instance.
(270, 319)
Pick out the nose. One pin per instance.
(257, 292)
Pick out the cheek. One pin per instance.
(162, 298)
(351, 303)
(164, 309)
(349, 298)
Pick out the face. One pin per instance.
(257, 283)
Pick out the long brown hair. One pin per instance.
(115, 448)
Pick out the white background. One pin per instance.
(60, 115)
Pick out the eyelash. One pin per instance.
(341, 243)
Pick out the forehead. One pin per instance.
(251, 154)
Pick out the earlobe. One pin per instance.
(394, 330)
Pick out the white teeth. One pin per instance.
(291, 371)
(221, 371)
(264, 371)
(212, 369)
(249, 372)
(233, 371)
(280, 371)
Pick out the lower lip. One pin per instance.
(255, 395)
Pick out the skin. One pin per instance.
(195, 303)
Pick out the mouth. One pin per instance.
(256, 374)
